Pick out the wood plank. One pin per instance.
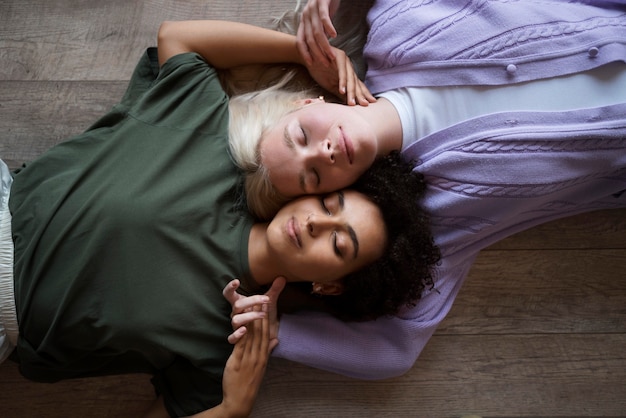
(101, 40)
(531, 375)
(505, 375)
(37, 115)
(599, 229)
(533, 291)
(109, 396)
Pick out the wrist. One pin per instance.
(297, 57)
(228, 410)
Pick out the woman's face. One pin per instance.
(319, 148)
(324, 238)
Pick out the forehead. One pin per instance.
(366, 219)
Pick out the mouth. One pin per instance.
(346, 146)
(293, 232)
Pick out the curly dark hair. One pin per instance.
(398, 278)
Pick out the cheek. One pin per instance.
(325, 265)
(283, 171)
(339, 178)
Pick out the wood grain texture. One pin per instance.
(539, 328)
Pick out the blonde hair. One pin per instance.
(277, 92)
(251, 114)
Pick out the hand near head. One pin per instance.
(340, 79)
(330, 67)
(314, 30)
(244, 312)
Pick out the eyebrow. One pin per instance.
(351, 231)
(290, 144)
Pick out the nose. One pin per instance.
(318, 224)
(323, 153)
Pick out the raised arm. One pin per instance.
(387, 347)
(226, 44)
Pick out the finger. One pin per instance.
(230, 291)
(341, 75)
(237, 335)
(245, 303)
(265, 342)
(329, 31)
(243, 319)
(259, 339)
(274, 292)
(351, 87)
(365, 97)
(277, 286)
(313, 40)
(272, 345)
(302, 46)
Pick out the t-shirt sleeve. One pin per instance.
(186, 90)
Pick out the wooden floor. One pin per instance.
(538, 330)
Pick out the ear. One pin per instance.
(305, 102)
(328, 289)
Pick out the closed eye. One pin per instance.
(335, 247)
(306, 140)
(324, 205)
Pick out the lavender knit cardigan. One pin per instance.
(489, 177)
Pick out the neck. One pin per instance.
(262, 267)
(385, 121)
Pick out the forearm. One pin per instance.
(226, 44)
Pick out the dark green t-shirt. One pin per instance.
(126, 235)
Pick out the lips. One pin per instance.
(346, 146)
(293, 232)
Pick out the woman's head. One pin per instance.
(289, 145)
(254, 113)
(394, 238)
(318, 148)
(323, 238)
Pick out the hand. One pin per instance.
(243, 311)
(341, 80)
(314, 30)
(245, 367)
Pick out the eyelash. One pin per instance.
(335, 248)
(306, 140)
(324, 206)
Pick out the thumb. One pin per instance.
(277, 287)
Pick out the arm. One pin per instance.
(226, 44)
(243, 374)
(387, 347)
(230, 44)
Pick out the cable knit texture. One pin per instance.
(480, 42)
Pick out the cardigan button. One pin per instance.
(511, 68)
(593, 52)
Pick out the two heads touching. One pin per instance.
(343, 217)
(359, 234)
